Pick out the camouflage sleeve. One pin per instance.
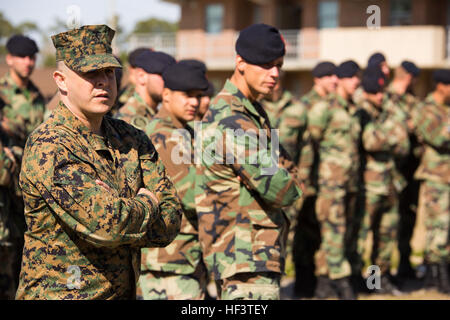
(386, 135)
(66, 180)
(166, 224)
(432, 128)
(175, 152)
(259, 162)
(317, 120)
(292, 126)
(397, 136)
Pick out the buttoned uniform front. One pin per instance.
(242, 226)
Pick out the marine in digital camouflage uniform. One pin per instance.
(95, 189)
(384, 136)
(335, 131)
(177, 272)
(431, 123)
(142, 105)
(239, 196)
(398, 95)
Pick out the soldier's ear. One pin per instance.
(60, 80)
(166, 94)
(9, 60)
(140, 76)
(240, 63)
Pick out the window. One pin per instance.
(328, 14)
(214, 18)
(400, 12)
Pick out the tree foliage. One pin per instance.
(154, 25)
(8, 29)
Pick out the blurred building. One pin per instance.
(314, 30)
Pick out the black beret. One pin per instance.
(154, 61)
(376, 59)
(195, 63)
(324, 69)
(184, 77)
(134, 54)
(260, 44)
(411, 68)
(373, 79)
(442, 76)
(347, 69)
(21, 46)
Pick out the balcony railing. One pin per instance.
(427, 46)
(165, 42)
(217, 50)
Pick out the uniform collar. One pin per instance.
(245, 104)
(169, 119)
(430, 100)
(312, 94)
(143, 104)
(64, 117)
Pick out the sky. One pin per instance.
(44, 12)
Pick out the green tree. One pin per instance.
(155, 25)
(7, 29)
(26, 27)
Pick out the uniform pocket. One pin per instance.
(267, 235)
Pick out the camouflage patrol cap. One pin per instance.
(86, 49)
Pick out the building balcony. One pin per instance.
(218, 50)
(427, 46)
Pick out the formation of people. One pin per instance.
(105, 195)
